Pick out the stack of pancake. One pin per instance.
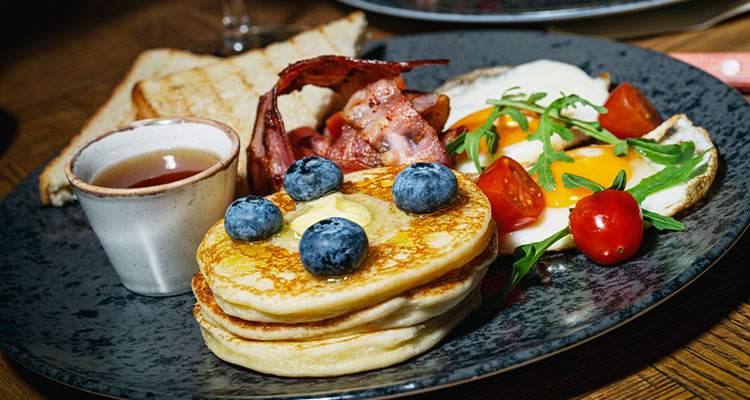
(259, 308)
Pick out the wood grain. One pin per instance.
(696, 345)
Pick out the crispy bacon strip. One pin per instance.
(350, 152)
(434, 108)
(352, 146)
(344, 75)
(387, 120)
(270, 152)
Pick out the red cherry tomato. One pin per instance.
(515, 198)
(630, 114)
(607, 226)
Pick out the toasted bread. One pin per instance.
(165, 91)
(228, 91)
(54, 188)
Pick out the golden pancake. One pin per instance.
(405, 251)
(333, 356)
(409, 308)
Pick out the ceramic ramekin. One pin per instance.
(151, 234)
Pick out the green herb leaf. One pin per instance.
(621, 148)
(572, 100)
(620, 181)
(574, 181)
(456, 145)
(662, 222)
(547, 126)
(470, 141)
(488, 132)
(550, 122)
(669, 176)
(535, 97)
(665, 154)
(518, 117)
(526, 256)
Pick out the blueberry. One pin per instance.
(311, 178)
(333, 247)
(423, 188)
(252, 218)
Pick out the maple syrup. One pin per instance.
(156, 168)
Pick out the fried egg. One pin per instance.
(468, 95)
(599, 164)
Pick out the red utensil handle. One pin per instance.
(733, 68)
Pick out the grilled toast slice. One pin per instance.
(228, 91)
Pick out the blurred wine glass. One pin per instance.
(240, 34)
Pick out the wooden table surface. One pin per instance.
(56, 71)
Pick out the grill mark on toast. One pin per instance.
(211, 88)
(239, 72)
(228, 108)
(321, 30)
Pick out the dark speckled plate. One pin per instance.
(65, 315)
(504, 11)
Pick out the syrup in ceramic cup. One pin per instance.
(150, 234)
(156, 168)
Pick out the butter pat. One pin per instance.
(329, 206)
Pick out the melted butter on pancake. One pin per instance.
(329, 206)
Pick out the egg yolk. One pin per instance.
(510, 132)
(596, 163)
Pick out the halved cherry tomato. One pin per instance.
(630, 113)
(607, 226)
(515, 198)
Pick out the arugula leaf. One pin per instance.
(662, 222)
(526, 256)
(574, 181)
(669, 176)
(518, 117)
(592, 129)
(620, 181)
(547, 126)
(488, 131)
(535, 97)
(470, 141)
(665, 154)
